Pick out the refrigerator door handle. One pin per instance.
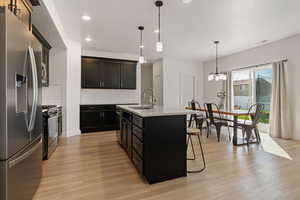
(31, 123)
(25, 155)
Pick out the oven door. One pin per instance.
(52, 134)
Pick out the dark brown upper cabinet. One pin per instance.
(90, 73)
(128, 74)
(110, 74)
(103, 73)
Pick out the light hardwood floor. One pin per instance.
(94, 167)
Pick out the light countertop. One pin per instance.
(104, 104)
(156, 111)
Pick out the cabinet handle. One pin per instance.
(101, 84)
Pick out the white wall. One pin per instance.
(45, 20)
(65, 66)
(287, 48)
(106, 96)
(73, 86)
(54, 94)
(174, 73)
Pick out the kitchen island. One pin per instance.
(155, 140)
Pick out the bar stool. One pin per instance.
(195, 132)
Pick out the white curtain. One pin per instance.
(228, 91)
(280, 122)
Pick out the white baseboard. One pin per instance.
(296, 137)
(71, 133)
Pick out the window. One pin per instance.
(250, 86)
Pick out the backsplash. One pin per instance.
(52, 95)
(103, 96)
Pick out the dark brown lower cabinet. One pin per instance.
(98, 118)
(155, 145)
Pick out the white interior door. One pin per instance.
(187, 89)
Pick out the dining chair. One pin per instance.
(213, 114)
(248, 126)
(199, 119)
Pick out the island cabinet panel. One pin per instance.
(138, 162)
(119, 124)
(137, 145)
(158, 145)
(125, 134)
(165, 148)
(137, 132)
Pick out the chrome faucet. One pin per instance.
(144, 94)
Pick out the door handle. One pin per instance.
(101, 115)
(31, 123)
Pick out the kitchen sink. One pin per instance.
(142, 107)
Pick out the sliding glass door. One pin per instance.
(250, 86)
(242, 89)
(263, 83)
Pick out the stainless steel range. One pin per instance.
(52, 117)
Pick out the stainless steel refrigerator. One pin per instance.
(20, 109)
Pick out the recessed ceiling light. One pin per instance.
(186, 1)
(142, 46)
(156, 31)
(86, 17)
(88, 39)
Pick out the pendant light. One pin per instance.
(217, 76)
(159, 44)
(141, 58)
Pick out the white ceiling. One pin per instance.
(188, 29)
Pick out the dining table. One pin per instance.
(234, 114)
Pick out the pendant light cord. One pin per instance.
(141, 43)
(141, 28)
(217, 65)
(158, 24)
